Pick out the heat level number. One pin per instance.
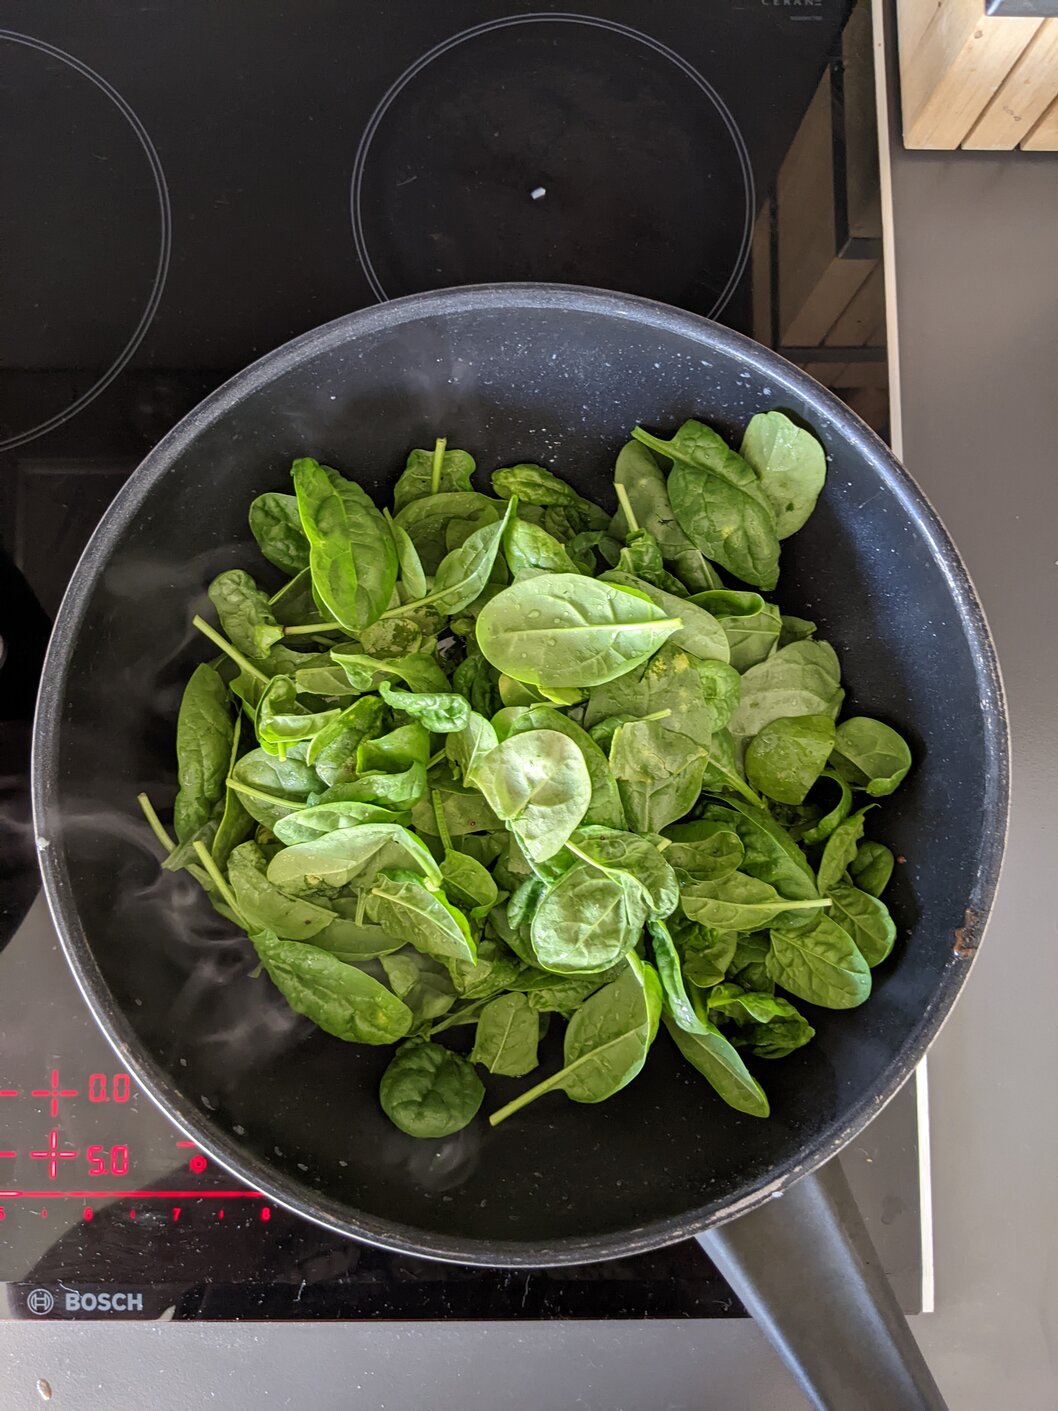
(107, 1161)
(108, 1087)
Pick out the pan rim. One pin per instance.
(155, 1081)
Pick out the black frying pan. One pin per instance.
(559, 375)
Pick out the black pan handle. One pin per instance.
(805, 1268)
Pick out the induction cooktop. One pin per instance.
(184, 188)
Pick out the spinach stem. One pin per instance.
(626, 505)
(215, 876)
(436, 758)
(658, 715)
(438, 463)
(458, 1016)
(156, 825)
(237, 657)
(439, 815)
(305, 628)
(290, 583)
(253, 793)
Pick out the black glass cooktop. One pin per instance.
(183, 188)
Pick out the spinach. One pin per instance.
(263, 906)
(768, 1025)
(586, 922)
(750, 625)
(428, 1091)
(840, 850)
(872, 868)
(340, 999)
(786, 757)
(802, 679)
(562, 629)
(507, 1036)
(722, 1068)
(203, 750)
(739, 903)
(870, 755)
(276, 525)
(421, 982)
(483, 764)
(352, 556)
(401, 903)
(639, 475)
(430, 472)
(245, 613)
(822, 965)
(539, 785)
(606, 1043)
(350, 857)
(867, 921)
(699, 634)
(790, 465)
(719, 503)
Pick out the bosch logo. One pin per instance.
(119, 1302)
(40, 1301)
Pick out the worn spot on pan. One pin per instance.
(966, 936)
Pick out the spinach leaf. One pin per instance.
(351, 551)
(467, 748)
(418, 670)
(235, 821)
(872, 868)
(507, 1036)
(795, 629)
(768, 1025)
(463, 573)
(559, 994)
(821, 966)
(750, 625)
(534, 485)
(469, 884)
(429, 1091)
(658, 771)
(770, 854)
(840, 850)
(739, 903)
(678, 1006)
(350, 857)
(822, 828)
(639, 474)
(338, 998)
(617, 851)
(707, 954)
(700, 634)
(539, 785)
(282, 720)
(802, 679)
(270, 787)
(437, 524)
(395, 751)
(264, 906)
(722, 1068)
(402, 904)
(412, 574)
(440, 711)
(495, 969)
(870, 755)
(704, 851)
(562, 629)
(604, 807)
(245, 613)
(276, 525)
(588, 921)
(790, 464)
(476, 679)
(531, 550)
(432, 472)
(719, 503)
(786, 757)
(333, 750)
(464, 811)
(320, 819)
(867, 921)
(203, 750)
(421, 982)
(606, 1042)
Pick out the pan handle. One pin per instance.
(805, 1268)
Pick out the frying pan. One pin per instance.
(559, 375)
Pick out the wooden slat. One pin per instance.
(1024, 96)
(1044, 136)
(761, 275)
(953, 58)
(863, 314)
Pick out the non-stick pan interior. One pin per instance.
(516, 373)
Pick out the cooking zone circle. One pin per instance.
(104, 278)
(554, 147)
